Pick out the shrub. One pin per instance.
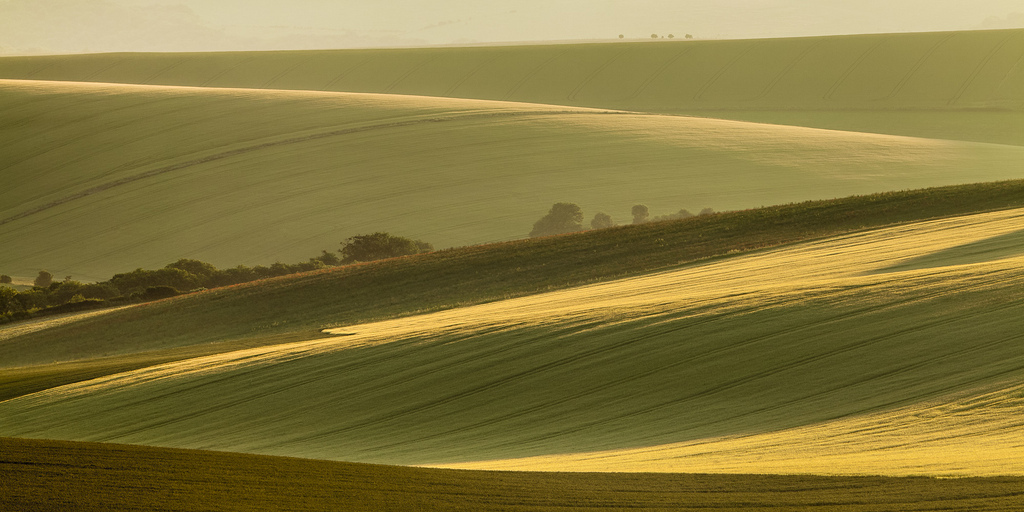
(562, 218)
(159, 292)
(200, 269)
(140, 279)
(6, 279)
(706, 211)
(8, 300)
(379, 246)
(681, 214)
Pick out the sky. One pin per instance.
(76, 26)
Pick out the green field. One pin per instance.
(117, 477)
(146, 175)
(799, 336)
(872, 335)
(836, 81)
(942, 70)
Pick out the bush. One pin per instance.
(706, 211)
(159, 292)
(562, 218)
(6, 279)
(681, 214)
(8, 300)
(379, 246)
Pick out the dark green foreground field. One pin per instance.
(60, 475)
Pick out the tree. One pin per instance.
(378, 246)
(6, 279)
(706, 211)
(43, 280)
(640, 214)
(622, 36)
(670, 36)
(601, 221)
(562, 218)
(689, 36)
(654, 36)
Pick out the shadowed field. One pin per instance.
(142, 175)
(808, 336)
(956, 81)
(43, 475)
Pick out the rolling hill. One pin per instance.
(138, 176)
(105, 477)
(961, 85)
(821, 335)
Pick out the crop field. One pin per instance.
(298, 307)
(755, 351)
(239, 176)
(118, 477)
(793, 352)
(941, 70)
(972, 83)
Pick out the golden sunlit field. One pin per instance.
(793, 352)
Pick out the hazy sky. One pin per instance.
(61, 26)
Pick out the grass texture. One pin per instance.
(48, 475)
(940, 70)
(299, 307)
(963, 85)
(138, 176)
(799, 337)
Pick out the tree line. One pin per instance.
(48, 296)
(568, 218)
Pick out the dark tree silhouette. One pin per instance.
(562, 218)
(706, 211)
(6, 279)
(44, 279)
(640, 214)
(601, 221)
(378, 246)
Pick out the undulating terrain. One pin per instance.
(858, 339)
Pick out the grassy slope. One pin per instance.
(950, 74)
(44, 475)
(300, 306)
(142, 176)
(752, 344)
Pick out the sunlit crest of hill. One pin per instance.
(958, 85)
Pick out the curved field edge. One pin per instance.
(138, 176)
(41, 474)
(958, 86)
(360, 293)
(965, 434)
(940, 70)
(759, 343)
